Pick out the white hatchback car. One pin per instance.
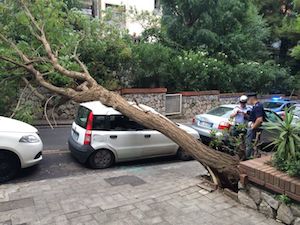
(101, 136)
(20, 147)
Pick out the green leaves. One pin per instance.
(287, 144)
(220, 26)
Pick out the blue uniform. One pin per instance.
(256, 112)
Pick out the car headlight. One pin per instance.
(29, 139)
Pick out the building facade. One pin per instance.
(96, 8)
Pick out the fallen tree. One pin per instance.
(87, 89)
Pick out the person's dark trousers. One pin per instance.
(250, 137)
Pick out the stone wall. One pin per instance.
(154, 98)
(193, 103)
(266, 203)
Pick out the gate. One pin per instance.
(173, 104)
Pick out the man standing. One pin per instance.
(240, 112)
(256, 118)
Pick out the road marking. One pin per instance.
(49, 152)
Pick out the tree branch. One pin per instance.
(33, 90)
(18, 51)
(19, 102)
(53, 58)
(7, 59)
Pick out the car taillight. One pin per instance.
(89, 127)
(224, 125)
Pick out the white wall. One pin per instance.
(140, 5)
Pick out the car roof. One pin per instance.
(281, 100)
(99, 109)
(229, 105)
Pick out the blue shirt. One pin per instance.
(257, 111)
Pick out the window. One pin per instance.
(272, 105)
(221, 111)
(101, 123)
(272, 117)
(82, 116)
(123, 123)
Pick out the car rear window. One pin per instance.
(272, 105)
(221, 111)
(82, 116)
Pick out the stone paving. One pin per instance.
(158, 194)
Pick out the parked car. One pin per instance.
(101, 136)
(20, 147)
(296, 110)
(279, 105)
(217, 119)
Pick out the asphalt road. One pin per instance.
(55, 139)
(58, 162)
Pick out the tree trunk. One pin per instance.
(223, 164)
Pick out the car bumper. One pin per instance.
(32, 157)
(80, 152)
(205, 134)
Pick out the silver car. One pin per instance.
(217, 120)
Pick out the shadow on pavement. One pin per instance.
(56, 165)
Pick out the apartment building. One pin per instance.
(97, 7)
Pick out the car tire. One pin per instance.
(9, 166)
(101, 159)
(184, 156)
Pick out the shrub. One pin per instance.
(26, 113)
(287, 144)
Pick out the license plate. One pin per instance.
(204, 124)
(75, 135)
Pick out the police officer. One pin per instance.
(239, 113)
(256, 118)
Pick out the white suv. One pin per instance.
(101, 136)
(20, 147)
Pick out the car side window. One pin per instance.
(101, 123)
(82, 115)
(123, 123)
(271, 116)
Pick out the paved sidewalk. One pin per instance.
(159, 194)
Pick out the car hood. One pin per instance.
(189, 130)
(12, 125)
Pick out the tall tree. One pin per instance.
(37, 37)
(230, 26)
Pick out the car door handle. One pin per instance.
(113, 136)
(147, 135)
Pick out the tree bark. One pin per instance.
(223, 165)
(220, 162)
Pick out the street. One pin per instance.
(58, 162)
(55, 139)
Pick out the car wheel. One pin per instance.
(101, 159)
(9, 166)
(184, 156)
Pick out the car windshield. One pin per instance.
(272, 105)
(221, 111)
